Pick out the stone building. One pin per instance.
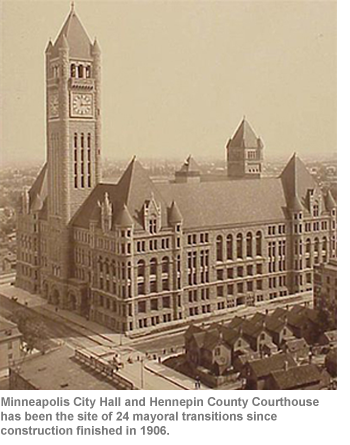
(10, 343)
(137, 254)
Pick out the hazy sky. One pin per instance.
(179, 76)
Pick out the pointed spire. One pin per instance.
(77, 38)
(72, 6)
(296, 182)
(175, 216)
(65, 44)
(96, 47)
(124, 218)
(244, 136)
(296, 205)
(330, 202)
(49, 47)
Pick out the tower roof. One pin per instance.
(330, 202)
(127, 197)
(75, 35)
(245, 137)
(189, 166)
(175, 214)
(296, 182)
(123, 218)
(38, 191)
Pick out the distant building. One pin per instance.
(8, 262)
(138, 254)
(325, 282)
(10, 342)
(58, 370)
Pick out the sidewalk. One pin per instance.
(155, 375)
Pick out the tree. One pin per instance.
(326, 317)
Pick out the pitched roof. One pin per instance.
(192, 329)
(189, 166)
(38, 192)
(244, 137)
(263, 367)
(296, 376)
(296, 344)
(296, 182)
(174, 214)
(220, 203)
(74, 35)
(330, 202)
(133, 190)
(123, 217)
(279, 312)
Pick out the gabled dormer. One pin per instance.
(152, 216)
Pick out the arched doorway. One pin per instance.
(45, 290)
(55, 298)
(72, 302)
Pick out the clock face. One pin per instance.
(81, 105)
(53, 105)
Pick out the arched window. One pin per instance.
(219, 249)
(72, 70)
(81, 71)
(239, 246)
(229, 247)
(165, 265)
(316, 209)
(141, 268)
(153, 266)
(107, 267)
(249, 244)
(258, 243)
(75, 140)
(317, 244)
(308, 245)
(324, 244)
(88, 71)
(113, 268)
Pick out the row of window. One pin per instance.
(250, 244)
(153, 245)
(85, 160)
(154, 304)
(199, 238)
(242, 271)
(80, 71)
(279, 229)
(77, 71)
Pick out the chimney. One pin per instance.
(285, 367)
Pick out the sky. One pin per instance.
(179, 76)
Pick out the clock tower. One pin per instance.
(73, 98)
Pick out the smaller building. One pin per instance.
(57, 370)
(302, 321)
(296, 378)
(297, 348)
(277, 327)
(331, 362)
(332, 291)
(10, 342)
(328, 338)
(257, 372)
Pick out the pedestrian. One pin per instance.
(56, 309)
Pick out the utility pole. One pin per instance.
(142, 373)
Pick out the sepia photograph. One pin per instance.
(168, 195)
